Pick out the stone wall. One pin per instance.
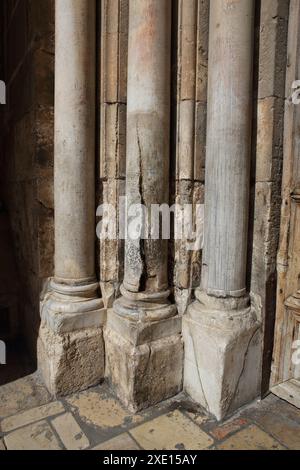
(267, 146)
(27, 138)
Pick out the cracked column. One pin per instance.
(143, 336)
(220, 329)
(70, 346)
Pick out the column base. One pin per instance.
(222, 353)
(144, 358)
(70, 344)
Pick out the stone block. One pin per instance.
(70, 361)
(144, 374)
(220, 350)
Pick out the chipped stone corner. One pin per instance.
(143, 362)
(222, 358)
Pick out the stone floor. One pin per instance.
(94, 419)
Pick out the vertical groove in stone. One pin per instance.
(268, 117)
(113, 97)
(192, 50)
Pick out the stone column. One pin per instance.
(220, 327)
(143, 341)
(70, 346)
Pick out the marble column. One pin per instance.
(220, 327)
(71, 352)
(143, 340)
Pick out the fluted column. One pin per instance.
(220, 325)
(144, 321)
(72, 307)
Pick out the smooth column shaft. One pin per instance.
(74, 187)
(228, 146)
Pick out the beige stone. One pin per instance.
(171, 431)
(22, 394)
(220, 350)
(122, 442)
(2, 446)
(38, 436)
(69, 432)
(71, 361)
(146, 374)
(32, 415)
(98, 410)
(251, 438)
(281, 426)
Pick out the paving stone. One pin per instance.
(2, 447)
(220, 432)
(282, 428)
(38, 436)
(251, 438)
(122, 442)
(21, 395)
(30, 416)
(99, 410)
(69, 432)
(171, 431)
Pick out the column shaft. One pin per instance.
(74, 187)
(220, 329)
(148, 136)
(228, 147)
(70, 345)
(143, 335)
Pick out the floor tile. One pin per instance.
(98, 410)
(122, 442)
(171, 431)
(69, 432)
(38, 436)
(251, 438)
(32, 415)
(21, 395)
(223, 430)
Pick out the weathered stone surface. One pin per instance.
(146, 374)
(220, 349)
(22, 394)
(71, 361)
(122, 442)
(169, 432)
(69, 432)
(113, 141)
(37, 436)
(230, 427)
(97, 410)
(272, 53)
(32, 415)
(251, 438)
(138, 332)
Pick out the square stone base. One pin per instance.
(72, 361)
(143, 374)
(222, 358)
